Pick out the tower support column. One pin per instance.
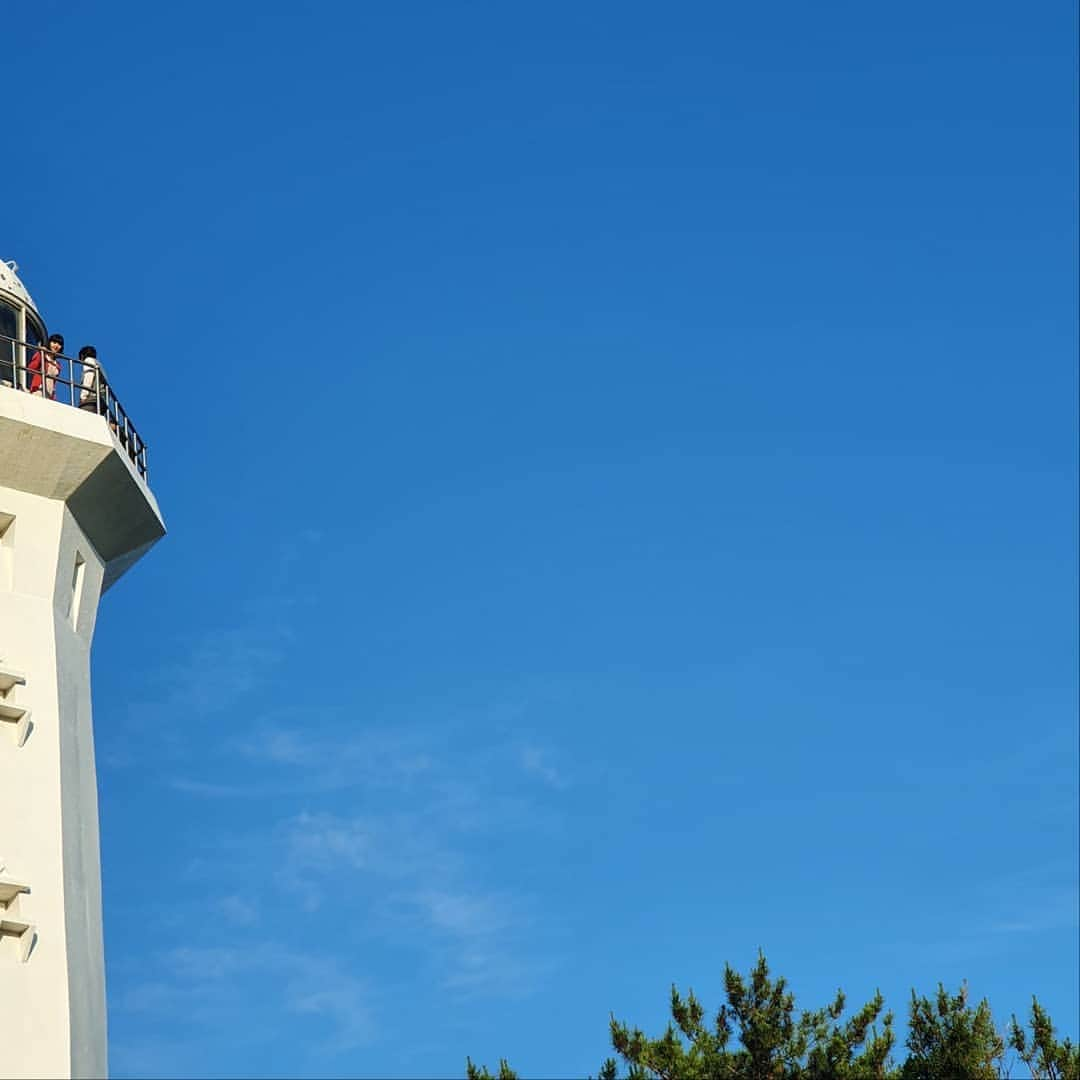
(52, 987)
(75, 514)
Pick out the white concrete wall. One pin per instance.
(52, 1008)
(53, 450)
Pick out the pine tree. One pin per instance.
(758, 1034)
(947, 1037)
(1045, 1057)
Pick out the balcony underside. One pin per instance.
(53, 450)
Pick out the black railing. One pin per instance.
(31, 368)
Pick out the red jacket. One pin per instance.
(52, 369)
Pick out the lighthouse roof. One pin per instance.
(10, 283)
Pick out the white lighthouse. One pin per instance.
(76, 511)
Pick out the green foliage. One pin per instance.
(758, 1034)
(771, 1040)
(481, 1073)
(947, 1037)
(1045, 1057)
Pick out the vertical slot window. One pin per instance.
(7, 552)
(77, 574)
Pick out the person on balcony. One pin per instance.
(44, 367)
(93, 395)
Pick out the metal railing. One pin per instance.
(91, 392)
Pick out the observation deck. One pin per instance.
(64, 435)
(29, 367)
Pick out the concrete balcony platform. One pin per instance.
(53, 450)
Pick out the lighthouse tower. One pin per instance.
(76, 511)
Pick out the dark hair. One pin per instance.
(87, 350)
(59, 339)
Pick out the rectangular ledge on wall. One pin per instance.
(9, 679)
(24, 931)
(9, 890)
(20, 717)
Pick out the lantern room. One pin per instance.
(21, 326)
(65, 436)
(31, 362)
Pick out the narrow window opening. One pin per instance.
(7, 552)
(77, 588)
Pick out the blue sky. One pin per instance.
(621, 470)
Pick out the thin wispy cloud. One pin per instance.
(1004, 913)
(213, 673)
(207, 790)
(238, 910)
(464, 914)
(1048, 757)
(537, 762)
(479, 971)
(419, 874)
(324, 759)
(217, 670)
(1042, 898)
(167, 720)
(377, 834)
(212, 984)
(400, 858)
